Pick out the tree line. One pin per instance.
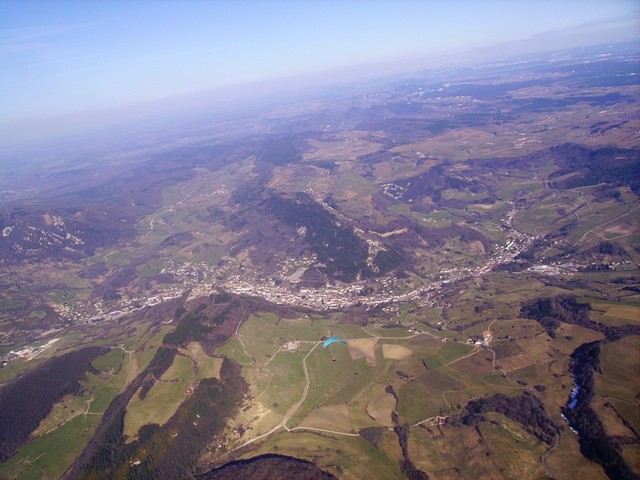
(28, 399)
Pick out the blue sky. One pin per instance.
(63, 57)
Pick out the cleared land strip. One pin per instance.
(131, 372)
(430, 419)
(237, 335)
(324, 430)
(421, 332)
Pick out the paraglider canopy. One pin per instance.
(331, 340)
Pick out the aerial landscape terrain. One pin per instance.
(432, 275)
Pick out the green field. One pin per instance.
(467, 455)
(49, 456)
(620, 364)
(62, 435)
(350, 457)
(233, 349)
(489, 192)
(285, 380)
(438, 377)
(208, 367)
(264, 334)
(163, 399)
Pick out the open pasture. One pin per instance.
(108, 382)
(63, 434)
(346, 393)
(477, 364)
(234, 350)
(285, 381)
(336, 381)
(449, 352)
(363, 348)
(264, 334)
(394, 332)
(381, 407)
(111, 363)
(395, 352)
(505, 348)
(261, 336)
(514, 362)
(343, 456)
(567, 463)
(293, 177)
(208, 367)
(620, 360)
(425, 344)
(604, 221)
(470, 379)
(402, 166)
(69, 407)
(162, 400)
(437, 380)
(508, 440)
(620, 365)
(465, 452)
(569, 337)
(98, 391)
(470, 142)
(337, 376)
(417, 402)
(543, 217)
(50, 455)
(613, 313)
(535, 350)
(341, 145)
(330, 417)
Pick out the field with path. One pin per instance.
(163, 399)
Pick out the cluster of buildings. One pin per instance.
(387, 293)
(200, 279)
(26, 353)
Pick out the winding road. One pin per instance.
(292, 410)
(283, 423)
(307, 383)
(543, 458)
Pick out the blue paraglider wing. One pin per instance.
(331, 340)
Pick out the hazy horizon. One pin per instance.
(72, 65)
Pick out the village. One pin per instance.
(387, 293)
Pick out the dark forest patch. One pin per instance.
(617, 166)
(595, 444)
(271, 466)
(525, 409)
(29, 399)
(549, 312)
(342, 252)
(280, 151)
